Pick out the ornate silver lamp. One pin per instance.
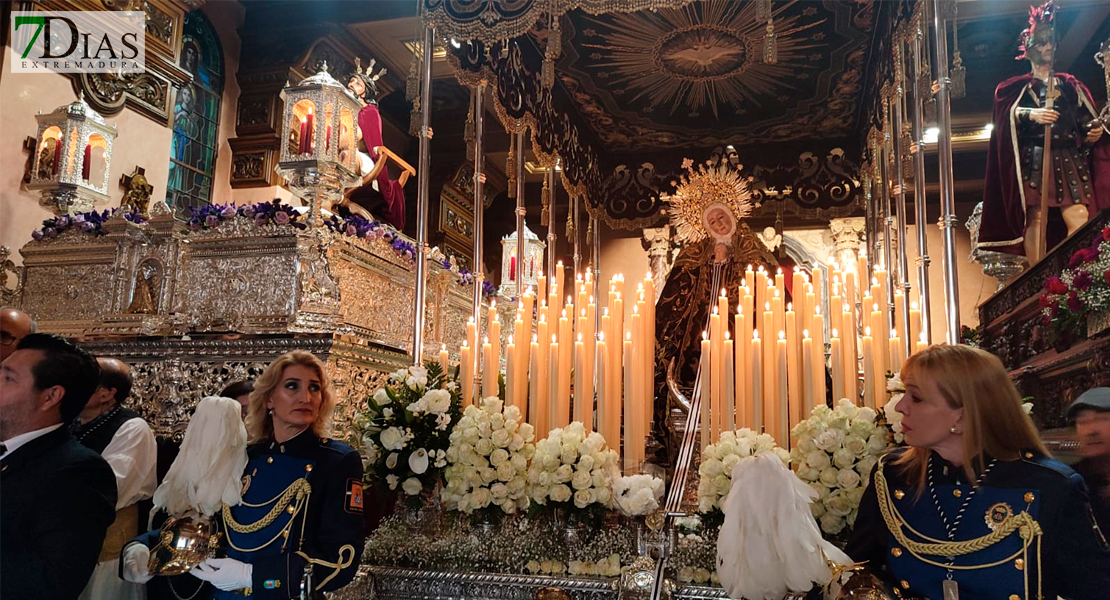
(318, 156)
(73, 155)
(1000, 265)
(532, 263)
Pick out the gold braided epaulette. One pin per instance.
(297, 491)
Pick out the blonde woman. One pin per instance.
(298, 531)
(975, 507)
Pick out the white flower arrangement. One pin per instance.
(717, 461)
(489, 453)
(571, 467)
(405, 427)
(835, 451)
(637, 495)
(609, 566)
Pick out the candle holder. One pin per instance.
(73, 153)
(319, 155)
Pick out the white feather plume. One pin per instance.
(208, 470)
(770, 543)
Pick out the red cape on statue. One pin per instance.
(370, 122)
(1003, 224)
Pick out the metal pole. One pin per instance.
(947, 193)
(577, 236)
(919, 200)
(599, 290)
(479, 165)
(899, 151)
(424, 178)
(551, 220)
(519, 166)
(888, 219)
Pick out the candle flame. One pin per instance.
(535, 339)
(723, 294)
(874, 281)
(492, 304)
(755, 335)
(605, 312)
(628, 336)
(635, 309)
(749, 268)
(779, 272)
(782, 335)
(789, 307)
(559, 264)
(805, 333)
(705, 335)
(875, 307)
(465, 346)
(817, 310)
(511, 340)
(834, 333)
(580, 338)
(897, 293)
(913, 305)
(485, 339)
(591, 300)
(776, 292)
(714, 311)
(893, 333)
(554, 339)
(564, 313)
(867, 332)
(583, 313)
(443, 348)
(924, 338)
(768, 307)
(470, 321)
(601, 336)
(728, 336)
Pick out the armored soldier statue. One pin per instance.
(1015, 158)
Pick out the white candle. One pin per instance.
(706, 367)
(729, 423)
(510, 374)
(757, 381)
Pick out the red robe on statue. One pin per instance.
(393, 211)
(1003, 224)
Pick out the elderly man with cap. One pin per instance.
(1091, 412)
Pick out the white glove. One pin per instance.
(134, 561)
(226, 574)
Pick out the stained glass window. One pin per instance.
(196, 117)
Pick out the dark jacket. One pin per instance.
(1074, 559)
(1097, 477)
(57, 499)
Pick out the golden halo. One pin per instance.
(702, 187)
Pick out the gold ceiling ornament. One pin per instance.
(701, 187)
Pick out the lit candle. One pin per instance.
(489, 374)
(769, 390)
(780, 282)
(851, 354)
(921, 344)
(818, 335)
(777, 309)
(636, 385)
(782, 407)
(729, 423)
(895, 350)
(877, 326)
(795, 372)
(534, 379)
(818, 285)
(566, 344)
(556, 415)
(837, 366)
(443, 360)
(583, 399)
(608, 420)
(757, 381)
(797, 290)
(761, 296)
(310, 137)
(915, 331)
(749, 278)
(861, 266)
(466, 364)
(495, 345)
(716, 380)
(807, 374)
(706, 393)
(542, 411)
(630, 464)
(850, 288)
(900, 315)
(868, 370)
(510, 374)
(302, 142)
(519, 369)
(541, 286)
(742, 375)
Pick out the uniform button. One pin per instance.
(905, 584)
(899, 494)
(1028, 455)
(957, 493)
(1029, 497)
(1019, 564)
(896, 552)
(1014, 597)
(290, 509)
(308, 468)
(269, 460)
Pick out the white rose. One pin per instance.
(560, 493)
(831, 524)
(381, 397)
(839, 503)
(862, 427)
(730, 462)
(569, 454)
(723, 483)
(877, 443)
(527, 431)
(505, 471)
(865, 465)
(828, 476)
(480, 498)
(827, 440)
(806, 445)
(501, 438)
(817, 508)
(484, 447)
(580, 480)
(809, 474)
(418, 461)
(586, 462)
(712, 468)
(818, 459)
(412, 486)
(393, 438)
(581, 498)
(563, 474)
(848, 479)
(844, 459)
(856, 445)
(519, 462)
(499, 491)
(498, 456)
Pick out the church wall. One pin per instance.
(226, 17)
(140, 141)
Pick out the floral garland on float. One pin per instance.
(1081, 294)
(91, 222)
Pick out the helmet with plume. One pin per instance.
(1040, 30)
(369, 80)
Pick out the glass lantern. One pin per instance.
(532, 262)
(73, 155)
(319, 157)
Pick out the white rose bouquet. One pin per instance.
(488, 459)
(637, 495)
(890, 413)
(405, 427)
(717, 461)
(834, 453)
(573, 468)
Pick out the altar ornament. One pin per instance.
(769, 507)
(532, 262)
(319, 158)
(72, 160)
(701, 187)
(205, 477)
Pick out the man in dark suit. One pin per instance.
(57, 498)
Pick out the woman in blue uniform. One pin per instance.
(975, 507)
(298, 531)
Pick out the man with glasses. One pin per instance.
(14, 326)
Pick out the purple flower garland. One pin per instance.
(88, 222)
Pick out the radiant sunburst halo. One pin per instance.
(701, 187)
(703, 53)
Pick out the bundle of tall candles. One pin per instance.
(767, 371)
